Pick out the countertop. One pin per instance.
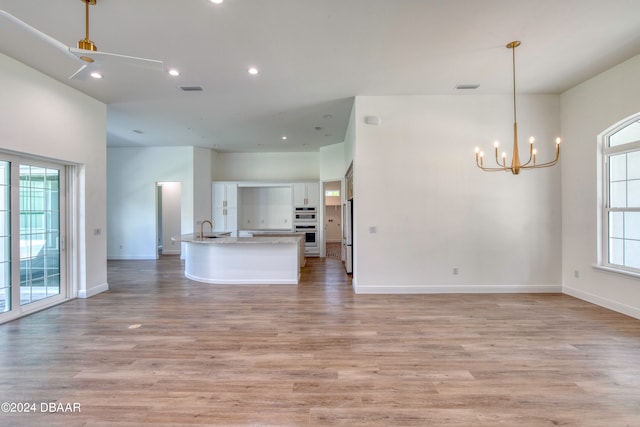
(217, 239)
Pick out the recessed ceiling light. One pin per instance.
(174, 72)
(284, 138)
(253, 71)
(216, 1)
(96, 75)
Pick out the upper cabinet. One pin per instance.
(225, 207)
(306, 194)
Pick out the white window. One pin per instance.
(621, 197)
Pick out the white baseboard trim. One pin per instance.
(130, 257)
(243, 281)
(603, 302)
(455, 289)
(88, 293)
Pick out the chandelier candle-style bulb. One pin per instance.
(479, 156)
(516, 165)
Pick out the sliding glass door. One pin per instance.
(31, 236)
(39, 233)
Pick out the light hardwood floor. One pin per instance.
(160, 350)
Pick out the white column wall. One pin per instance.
(203, 167)
(587, 110)
(423, 209)
(42, 117)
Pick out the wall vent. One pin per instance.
(467, 86)
(191, 88)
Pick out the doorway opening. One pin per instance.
(168, 217)
(333, 219)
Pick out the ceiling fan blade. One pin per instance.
(37, 33)
(99, 58)
(83, 73)
(90, 60)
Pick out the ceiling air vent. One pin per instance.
(191, 88)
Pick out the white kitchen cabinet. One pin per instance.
(225, 207)
(265, 207)
(306, 194)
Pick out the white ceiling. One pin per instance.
(314, 56)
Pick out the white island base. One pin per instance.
(243, 260)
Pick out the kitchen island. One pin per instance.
(243, 260)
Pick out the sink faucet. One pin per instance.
(206, 221)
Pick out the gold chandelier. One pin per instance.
(516, 165)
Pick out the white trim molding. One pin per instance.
(95, 290)
(603, 302)
(456, 289)
(131, 257)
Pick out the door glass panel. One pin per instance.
(39, 233)
(5, 236)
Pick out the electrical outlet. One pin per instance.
(455, 271)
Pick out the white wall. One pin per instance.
(587, 110)
(42, 117)
(131, 184)
(416, 185)
(332, 162)
(350, 140)
(282, 167)
(202, 177)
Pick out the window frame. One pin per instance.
(606, 152)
